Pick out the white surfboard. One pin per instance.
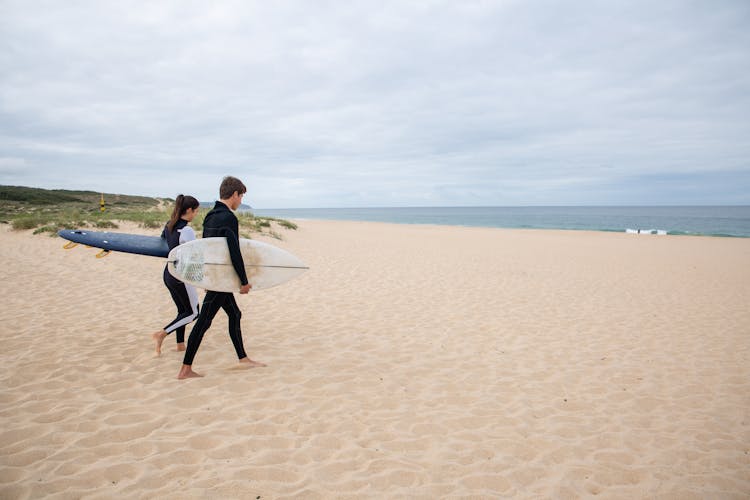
(205, 263)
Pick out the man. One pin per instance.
(222, 222)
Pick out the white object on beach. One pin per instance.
(646, 231)
(205, 263)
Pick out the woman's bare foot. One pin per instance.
(249, 363)
(158, 338)
(180, 346)
(187, 372)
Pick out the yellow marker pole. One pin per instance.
(101, 204)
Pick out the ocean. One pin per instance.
(728, 221)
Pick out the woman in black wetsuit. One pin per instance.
(185, 296)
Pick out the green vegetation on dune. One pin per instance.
(35, 196)
(48, 211)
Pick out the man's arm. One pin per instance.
(238, 263)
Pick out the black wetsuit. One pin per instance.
(184, 296)
(220, 222)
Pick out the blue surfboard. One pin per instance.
(154, 246)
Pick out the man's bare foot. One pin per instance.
(158, 338)
(187, 372)
(249, 363)
(180, 346)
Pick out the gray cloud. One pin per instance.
(357, 104)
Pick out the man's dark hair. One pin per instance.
(229, 185)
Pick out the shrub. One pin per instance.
(23, 223)
(105, 224)
(151, 224)
(47, 229)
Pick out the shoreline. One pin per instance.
(409, 361)
(132, 226)
(553, 229)
(716, 221)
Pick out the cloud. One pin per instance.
(357, 104)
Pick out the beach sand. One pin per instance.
(409, 361)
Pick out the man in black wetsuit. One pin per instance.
(221, 222)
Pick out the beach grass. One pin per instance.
(49, 211)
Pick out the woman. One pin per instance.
(185, 297)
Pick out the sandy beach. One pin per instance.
(408, 362)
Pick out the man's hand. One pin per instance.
(245, 288)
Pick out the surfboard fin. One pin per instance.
(70, 245)
(103, 253)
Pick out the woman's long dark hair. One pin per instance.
(181, 205)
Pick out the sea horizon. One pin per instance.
(699, 220)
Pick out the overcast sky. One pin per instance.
(336, 104)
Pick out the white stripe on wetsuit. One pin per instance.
(187, 234)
